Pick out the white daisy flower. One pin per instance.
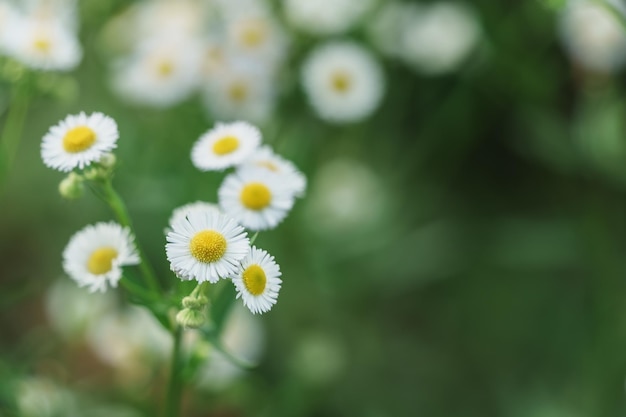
(258, 281)
(180, 213)
(162, 72)
(225, 145)
(343, 81)
(95, 255)
(325, 17)
(43, 43)
(258, 36)
(265, 158)
(241, 92)
(206, 246)
(79, 140)
(593, 36)
(256, 198)
(437, 39)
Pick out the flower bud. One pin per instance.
(190, 318)
(195, 303)
(108, 161)
(72, 187)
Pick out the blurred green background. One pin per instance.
(459, 253)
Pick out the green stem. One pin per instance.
(119, 208)
(175, 386)
(253, 239)
(12, 131)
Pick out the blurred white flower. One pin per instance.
(258, 281)
(265, 158)
(43, 42)
(79, 140)
(130, 340)
(343, 81)
(240, 91)
(325, 17)
(439, 37)
(340, 189)
(41, 397)
(243, 337)
(386, 25)
(225, 145)
(162, 72)
(95, 255)
(71, 310)
(206, 246)
(593, 36)
(171, 17)
(256, 198)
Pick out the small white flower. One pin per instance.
(225, 145)
(257, 36)
(180, 213)
(206, 246)
(593, 36)
(343, 81)
(162, 72)
(95, 255)
(43, 43)
(265, 158)
(437, 39)
(256, 198)
(240, 91)
(325, 17)
(79, 140)
(258, 281)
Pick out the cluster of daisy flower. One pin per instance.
(205, 242)
(41, 34)
(229, 51)
(208, 242)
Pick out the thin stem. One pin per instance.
(12, 131)
(119, 208)
(253, 239)
(175, 386)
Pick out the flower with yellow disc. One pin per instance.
(95, 255)
(79, 140)
(226, 145)
(258, 281)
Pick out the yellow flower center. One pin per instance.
(256, 196)
(254, 279)
(101, 260)
(208, 246)
(341, 82)
(268, 164)
(226, 145)
(253, 34)
(165, 68)
(42, 45)
(238, 91)
(78, 139)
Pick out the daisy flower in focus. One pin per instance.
(95, 255)
(256, 198)
(43, 43)
(325, 17)
(206, 246)
(79, 140)
(225, 145)
(593, 36)
(162, 72)
(265, 158)
(258, 281)
(343, 81)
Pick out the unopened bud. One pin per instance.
(190, 318)
(72, 187)
(195, 303)
(108, 161)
